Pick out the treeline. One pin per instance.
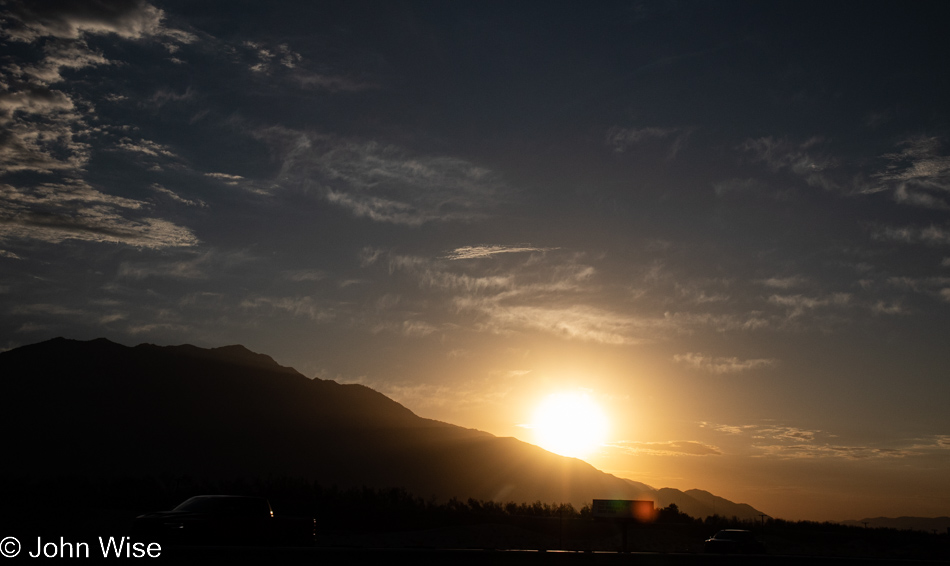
(55, 504)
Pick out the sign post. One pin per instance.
(623, 511)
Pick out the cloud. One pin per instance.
(720, 365)
(791, 442)
(555, 293)
(406, 328)
(918, 174)
(281, 60)
(880, 307)
(801, 159)
(300, 275)
(473, 252)
(329, 83)
(226, 178)
(622, 139)
(58, 56)
(798, 304)
(669, 448)
(38, 132)
(268, 57)
(385, 183)
(176, 197)
(55, 212)
(930, 235)
(306, 307)
(582, 322)
(28, 21)
(145, 147)
(785, 282)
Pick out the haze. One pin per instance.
(725, 224)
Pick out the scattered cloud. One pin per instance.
(581, 322)
(300, 275)
(789, 442)
(796, 305)
(802, 159)
(47, 131)
(930, 235)
(40, 132)
(555, 293)
(53, 213)
(406, 328)
(893, 308)
(329, 83)
(790, 282)
(721, 365)
(621, 139)
(268, 56)
(146, 147)
(918, 174)
(305, 307)
(386, 183)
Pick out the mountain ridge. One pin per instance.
(228, 410)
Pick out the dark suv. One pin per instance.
(734, 541)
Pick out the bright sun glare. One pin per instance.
(569, 424)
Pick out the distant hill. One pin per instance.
(927, 524)
(102, 409)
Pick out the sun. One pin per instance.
(569, 424)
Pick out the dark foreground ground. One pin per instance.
(425, 557)
(374, 529)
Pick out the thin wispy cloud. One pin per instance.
(386, 183)
(789, 282)
(722, 365)
(784, 442)
(297, 306)
(930, 235)
(475, 252)
(668, 448)
(172, 195)
(621, 140)
(804, 159)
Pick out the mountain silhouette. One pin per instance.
(98, 408)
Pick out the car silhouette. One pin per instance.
(210, 519)
(734, 541)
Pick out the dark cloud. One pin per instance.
(130, 19)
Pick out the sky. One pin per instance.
(725, 224)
